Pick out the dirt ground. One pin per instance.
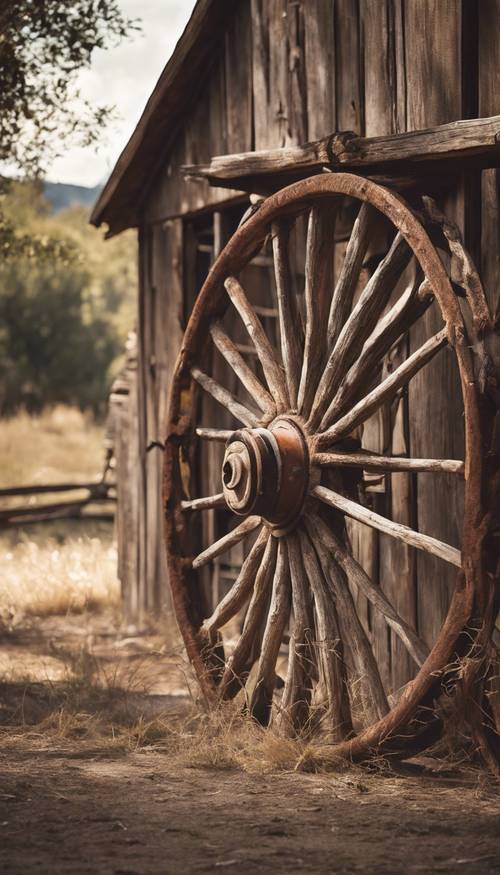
(104, 769)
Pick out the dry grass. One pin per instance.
(39, 580)
(59, 444)
(61, 567)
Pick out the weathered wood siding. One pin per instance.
(289, 71)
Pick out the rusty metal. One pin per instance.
(412, 722)
(266, 472)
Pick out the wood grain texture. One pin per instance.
(361, 322)
(456, 141)
(225, 398)
(396, 530)
(318, 290)
(277, 619)
(238, 364)
(320, 67)
(239, 663)
(410, 305)
(375, 594)
(374, 462)
(364, 671)
(227, 541)
(332, 705)
(291, 338)
(238, 64)
(267, 355)
(240, 591)
(386, 390)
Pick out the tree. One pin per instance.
(64, 320)
(43, 46)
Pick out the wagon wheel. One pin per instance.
(291, 472)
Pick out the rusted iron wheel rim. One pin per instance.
(312, 429)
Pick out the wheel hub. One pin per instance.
(266, 472)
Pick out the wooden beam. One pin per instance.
(477, 139)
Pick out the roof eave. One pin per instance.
(119, 204)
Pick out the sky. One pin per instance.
(124, 77)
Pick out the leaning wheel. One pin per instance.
(292, 469)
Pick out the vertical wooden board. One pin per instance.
(150, 453)
(433, 46)
(238, 63)
(130, 471)
(296, 13)
(279, 121)
(278, 73)
(379, 67)
(489, 57)
(436, 431)
(397, 560)
(320, 68)
(142, 358)
(123, 410)
(373, 440)
(260, 12)
(400, 103)
(433, 41)
(348, 67)
(489, 104)
(218, 107)
(380, 44)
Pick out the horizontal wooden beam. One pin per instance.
(477, 140)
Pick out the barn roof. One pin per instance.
(120, 201)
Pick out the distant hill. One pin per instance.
(61, 195)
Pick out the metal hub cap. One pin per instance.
(266, 472)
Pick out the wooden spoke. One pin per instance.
(236, 361)
(328, 647)
(290, 328)
(279, 613)
(385, 390)
(234, 600)
(214, 434)
(206, 503)
(318, 276)
(372, 462)
(344, 289)
(224, 397)
(360, 324)
(227, 541)
(297, 691)
(356, 575)
(396, 530)
(267, 357)
(409, 307)
(237, 666)
(366, 672)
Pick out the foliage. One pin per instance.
(63, 316)
(43, 46)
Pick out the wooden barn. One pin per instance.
(259, 95)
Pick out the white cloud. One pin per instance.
(124, 77)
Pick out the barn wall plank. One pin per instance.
(384, 87)
(320, 68)
(204, 133)
(278, 73)
(142, 415)
(433, 50)
(489, 104)
(433, 39)
(349, 73)
(161, 311)
(238, 66)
